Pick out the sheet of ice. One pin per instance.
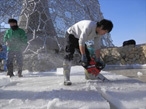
(45, 90)
(123, 92)
(42, 91)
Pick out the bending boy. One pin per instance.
(76, 36)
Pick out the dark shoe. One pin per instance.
(20, 73)
(67, 83)
(10, 70)
(10, 74)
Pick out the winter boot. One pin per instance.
(10, 74)
(66, 72)
(86, 74)
(10, 70)
(20, 73)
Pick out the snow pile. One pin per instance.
(4, 80)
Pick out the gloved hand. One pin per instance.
(84, 60)
(99, 64)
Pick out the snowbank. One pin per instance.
(4, 80)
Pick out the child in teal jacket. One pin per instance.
(15, 39)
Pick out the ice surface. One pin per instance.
(45, 90)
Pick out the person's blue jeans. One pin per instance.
(3, 58)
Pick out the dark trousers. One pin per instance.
(72, 44)
(19, 59)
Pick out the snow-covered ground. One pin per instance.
(45, 90)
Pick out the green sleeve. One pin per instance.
(5, 36)
(24, 37)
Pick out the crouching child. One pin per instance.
(76, 36)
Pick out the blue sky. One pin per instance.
(128, 17)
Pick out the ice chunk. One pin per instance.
(139, 73)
